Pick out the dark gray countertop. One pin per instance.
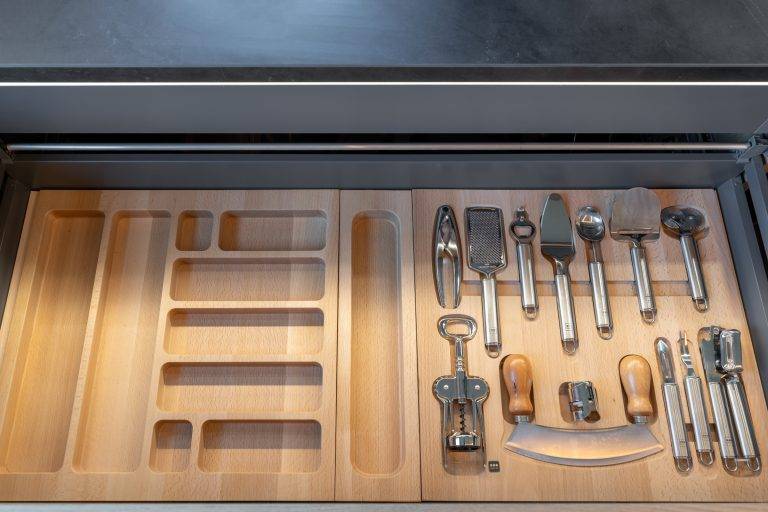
(383, 40)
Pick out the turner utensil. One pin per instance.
(523, 231)
(581, 447)
(688, 224)
(591, 228)
(635, 219)
(487, 255)
(681, 452)
(557, 245)
(447, 246)
(696, 410)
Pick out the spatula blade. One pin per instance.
(635, 213)
(556, 232)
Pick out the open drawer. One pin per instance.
(281, 345)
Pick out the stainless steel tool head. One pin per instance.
(522, 229)
(708, 352)
(556, 233)
(666, 363)
(590, 224)
(447, 246)
(635, 215)
(684, 220)
(486, 246)
(592, 447)
(728, 352)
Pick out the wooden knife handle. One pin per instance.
(516, 370)
(636, 379)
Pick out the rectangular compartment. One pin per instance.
(248, 279)
(171, 446)
(194, 231)
(114, 410)
(375, 384)
(377, 351)
(278, 230)
(244, 331)
(260, 447)
(37, 420)
(240, 387)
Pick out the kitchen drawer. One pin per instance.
(280, 345)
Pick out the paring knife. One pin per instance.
(696, 409)
(557, 245)
(669, 390)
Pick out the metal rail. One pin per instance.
(16, 148)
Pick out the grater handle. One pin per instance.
(491, 317)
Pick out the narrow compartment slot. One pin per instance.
(376, 352)
(240, 387)
(272, 231)
(114, 408)
(244, 331)
(260, 447)
(171, 446)
(194, 231)
(36, 425)
(248, 279)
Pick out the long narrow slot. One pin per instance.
(240, 387)
(112, 429)
(376, 443)
(36, 427)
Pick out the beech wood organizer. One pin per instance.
(281, 346)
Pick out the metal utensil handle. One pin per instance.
(679, 441)
(693, 269)
(643, 283)
(698, 413)
(722, 422)
(600, 296)
(565, 313)
(491, 317)
(525, 269)
(742, 420)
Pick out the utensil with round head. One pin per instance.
(590, 226)
(687, 224)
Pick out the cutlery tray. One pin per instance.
(281, 345)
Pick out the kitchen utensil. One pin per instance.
(696, 410)
(727, 345)
(523, 231)
(688, 224)
(635, 219)
(591, 228)
(487, 255)
(675, 421)
(582, 400)
(459, 392)
(557, 245)
(447, 246)
(581, 447)
(722, 416)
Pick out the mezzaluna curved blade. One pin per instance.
(595, 447)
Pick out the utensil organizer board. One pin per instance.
(281, 346)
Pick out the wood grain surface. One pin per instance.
(522, 479)
(145, 361)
